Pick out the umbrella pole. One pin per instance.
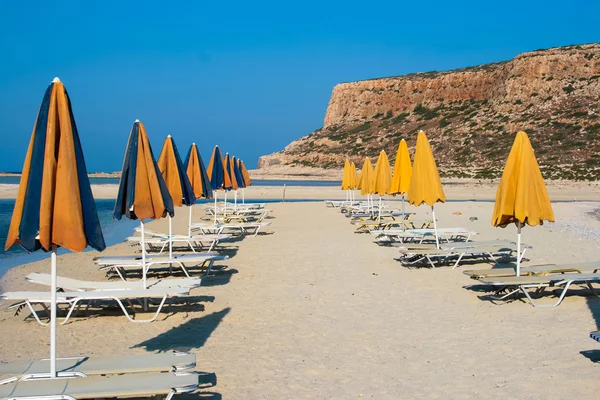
(190, 223)
(403, 215)
(437, 240)
(143, 243)
(243, 195)
(379, 216)
(225, 206)
(235, 201)
(53, 316)
(170, 239)
(215, 196)
(518, 248)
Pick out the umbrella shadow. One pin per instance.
(592, 355)
(190, 335)
(221, 275)
(594, 306)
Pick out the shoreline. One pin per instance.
(454, 189)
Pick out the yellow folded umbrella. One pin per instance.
(402, 170)
(425, 184)
(353, 176)
(346, 178)
(521, 197)
(367, 183)
(382, 178)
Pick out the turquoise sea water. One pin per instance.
(114, 232)
(14, 180)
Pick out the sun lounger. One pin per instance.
(340, 203)
(100, 365)
(542, 269)
(75, 285)
(75, 299)
(595, 336)
(458, 250)
(511, 285)
(420, 235)
(244, 228)
(159, 242)
(100, 386)
(120, 264)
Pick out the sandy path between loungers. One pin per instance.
(314, 310)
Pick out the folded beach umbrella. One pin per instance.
(521, 197)
(237, 165)
(367, 181)
(247, 181)
(197, 173)
(353, 180)
(178, 184)
(382, 177)
(219, 178)
(143, 193)
(425, 184)
(402, 172)
(346, 178)
(54, 205)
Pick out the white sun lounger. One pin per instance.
(157, 241)
(100, 365)
(99, 386)
(74, 299)
(451, 250)
(508, 286)
(243, 227)
(541, 269)
(76, 285)
(340, 203)
(120, 264)
(419, 235)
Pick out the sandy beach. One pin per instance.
(310, 309)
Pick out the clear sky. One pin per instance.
(250, 76)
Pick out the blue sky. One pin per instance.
(249, 76)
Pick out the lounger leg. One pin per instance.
(497, 296)
(35, 314)
(183, 268)
(118, 271)
(209, 267)
(458, 261)
(160, 306)
(560, 298)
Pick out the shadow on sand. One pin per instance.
(220, 275)
(188, 336)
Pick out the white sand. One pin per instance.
(314, 310)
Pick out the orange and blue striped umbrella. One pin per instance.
(228, 165)
(177, 181)
(219, 178)
(196, 172)
(143, 193)
(54, 205)
(246, 175)
(238, 173)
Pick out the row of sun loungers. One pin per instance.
(163, 374)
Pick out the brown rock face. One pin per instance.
(470, 116)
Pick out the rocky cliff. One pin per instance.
(470, 116)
